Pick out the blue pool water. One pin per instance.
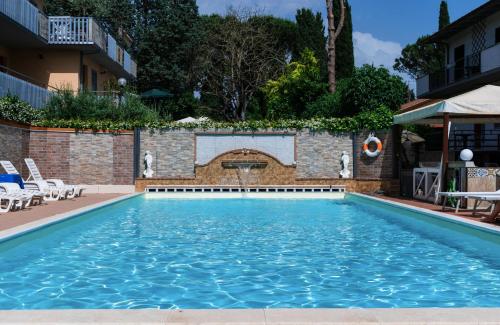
(249, 254)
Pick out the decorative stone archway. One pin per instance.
(267, 170)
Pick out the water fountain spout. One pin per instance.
(244, 170)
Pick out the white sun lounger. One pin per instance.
(51, 193)
(36, 197)
(6, 203)
(11, 202)
(73, 190)
(495, 202)
(464, 195)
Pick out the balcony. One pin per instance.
(36, 96)
(25, 26)
(471, 72)
(22, 12)
(86, 31)
(75, 31)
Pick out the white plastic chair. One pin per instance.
(36, 197)
(51, 193)
(73, 190)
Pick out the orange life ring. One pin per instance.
(366, 149)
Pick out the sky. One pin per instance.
(381, 28)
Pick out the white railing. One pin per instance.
(22, 12)
(85, 30)
(70, 30)
(35, 95)
(490, 58)
(112, 48)
(129, 65)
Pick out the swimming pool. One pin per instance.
(250, 253)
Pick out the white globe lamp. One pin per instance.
(466, 155)
(122, 82)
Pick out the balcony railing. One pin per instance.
(66, 30)
(35, 95)
(462, 69)
(129, 65)
(75, 30)
(23, 12)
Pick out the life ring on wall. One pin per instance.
(366, 148)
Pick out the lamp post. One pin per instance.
(122, 82)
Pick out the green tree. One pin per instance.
(344, 47)
(444, 16)
(118, 15)
(167, 37)
(283, 31)
(311, 35)
(371, 87)
(422, 57)
(72, 7)
(238, 58)
(302, 83)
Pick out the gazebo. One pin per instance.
(480, 106)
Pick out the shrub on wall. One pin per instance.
(14, 109)
(378, 119)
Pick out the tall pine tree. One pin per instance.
(344, 47)
(311, 35)
(423, 57)
(444, 16)
(167, 38)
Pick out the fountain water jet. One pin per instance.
(244, 169)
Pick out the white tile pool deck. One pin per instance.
(234, 316)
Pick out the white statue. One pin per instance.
(344, 159)
(148, 163)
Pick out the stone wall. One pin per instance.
(173, 152)
(318, 154)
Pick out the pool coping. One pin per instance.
(440, 215)
(23, 229)
(258, 316)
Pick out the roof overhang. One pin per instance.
(466, 21)
(479, 106)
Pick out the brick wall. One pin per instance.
(104, 158)
(50, 151)
(76, 158)
(380, 167)
(14, 146)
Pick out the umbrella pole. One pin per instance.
(446, 135)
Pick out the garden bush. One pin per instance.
(288, 96)
(14, 109)
(65, 105)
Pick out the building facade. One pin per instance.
(40, 53)
(472, 56)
